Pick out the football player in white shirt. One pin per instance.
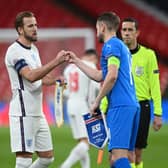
(81, 92)
(29, 131)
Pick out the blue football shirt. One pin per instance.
(123, 91)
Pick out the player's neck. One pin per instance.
(109, 36)
(135, 49)
(133, 45)
(24, 41)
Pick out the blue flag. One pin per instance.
(96, 129)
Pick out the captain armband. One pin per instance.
(158, 115)
(114, 61)
(20, 64)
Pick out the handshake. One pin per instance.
(66, 56)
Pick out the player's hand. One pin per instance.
(72, 57)
(61, 57)
(93, 108)
(157, 123)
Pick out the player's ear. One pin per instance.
(20, 30)
(103, 27)
(137, 33)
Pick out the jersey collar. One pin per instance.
(135, 49)
(26, 47)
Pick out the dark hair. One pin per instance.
(133, 20)
(110, 19)
(90, 52)
(19, 18)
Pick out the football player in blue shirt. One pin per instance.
(123, 109)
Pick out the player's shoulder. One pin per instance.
(147, 49)
(147, 52)
(13, 46)
(114, 41)
(33, 47)
(11, 50)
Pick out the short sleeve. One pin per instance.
(15, 60)
(20, 64)
(112, 49)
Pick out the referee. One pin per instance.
(146, 77)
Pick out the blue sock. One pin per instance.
(121, 163)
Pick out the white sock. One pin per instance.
(85, 160)
(76, 154)
(42, 162)
(23, 162)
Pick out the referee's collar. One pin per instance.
(135, 49)
(26, 47)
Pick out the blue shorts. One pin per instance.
(122, 123)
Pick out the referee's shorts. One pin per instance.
(144, 123)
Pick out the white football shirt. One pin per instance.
(79, 85)
(26, 96)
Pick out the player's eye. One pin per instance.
(130, 29)
(124, 29)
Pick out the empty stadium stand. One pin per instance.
(50, 13)
(153, 32)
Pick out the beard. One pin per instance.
(101, 38)
(30, 38)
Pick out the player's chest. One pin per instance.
(32, 59)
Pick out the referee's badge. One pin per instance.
(139, 70)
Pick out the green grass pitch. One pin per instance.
(154, 156)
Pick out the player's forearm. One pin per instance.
(33, 75)
(90, 72)
(48, 80)
(107, 85)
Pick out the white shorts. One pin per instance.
(29, 134)
(75, 111)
